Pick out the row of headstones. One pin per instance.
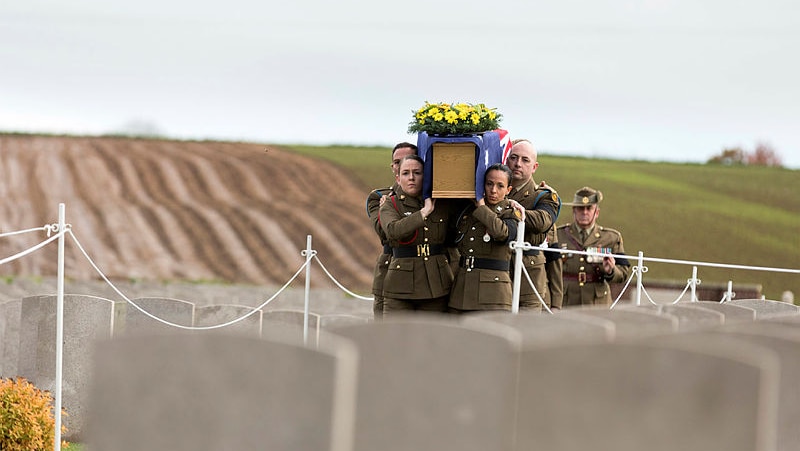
(668, 377)
(655, 378)
(28, 334)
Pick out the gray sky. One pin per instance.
(673, 80)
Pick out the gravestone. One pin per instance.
(692, 317)
(247, 320)
(86, 320)
(650, 396)
(545, 329)
(222, 392)
(630, 322)
(767, 309)
(333, 320)
(9, 337)
(173, 311)
(785, 342)
(290, 323)
(429, 383)
(733, 313)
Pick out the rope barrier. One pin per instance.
(180, 326)
(341, 287)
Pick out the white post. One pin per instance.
(639, 279)
(730, 290)
(517, 266)
(59, 325)
(694, 283)
(308, 289)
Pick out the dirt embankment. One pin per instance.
(179, 210)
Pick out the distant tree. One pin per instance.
(729, 156)
(764, 155)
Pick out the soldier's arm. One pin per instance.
(544, 215)
(553, 269)
(501, 227)
(396, 226)
(622, 267)
(373, 208)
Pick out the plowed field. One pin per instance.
(181, 210)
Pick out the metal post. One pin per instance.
(694, 284)
(639, 279)
(517, 266)
(59, 325)
(730, 290)
(308, 289)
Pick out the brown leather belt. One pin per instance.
(583, 277)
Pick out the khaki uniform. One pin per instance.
(541, 212)
(419, 276)
(483, 281)
(382, 262)
(554, 294)
(585, 282)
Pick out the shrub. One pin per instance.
(26, 417)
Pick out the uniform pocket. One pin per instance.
(494, 288)
(399, 277)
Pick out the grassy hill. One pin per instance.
(705, 213)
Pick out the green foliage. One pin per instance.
(741, 215)
(26, 417)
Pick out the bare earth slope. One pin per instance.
(167, 210)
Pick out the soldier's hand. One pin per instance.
(544, 185)
(609, 264)
(517, 206)
(383, 199)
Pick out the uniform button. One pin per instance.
(472, 238)
(473, 227)
(581, 269)
(581, 258)
(426, 258)
(496, 279)
(397, 267)
(426, 239)
(426, 229)
(471, 251)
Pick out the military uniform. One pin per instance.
(419, 275)
(554, 294)
(542, 206)
(483, 281)
(585, 280)
(382, 263)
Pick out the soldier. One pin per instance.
(419, 276)
(484, 231)
(542, 206)
(374, 201)
(586, 278)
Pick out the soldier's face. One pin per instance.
(585, 215)
(496, 187)
(398, 155)
(522, 161)
(410, 177)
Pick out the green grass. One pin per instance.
(720, 214)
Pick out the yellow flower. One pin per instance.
(451, 117)
(475, 118)
(438, 117)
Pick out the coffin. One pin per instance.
(455, 164)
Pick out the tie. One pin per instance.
(584, 234)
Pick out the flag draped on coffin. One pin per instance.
(490, 147)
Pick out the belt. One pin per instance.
(483, 263)
(387, 249)
(420, 250)
(583, 277)
(531, 252)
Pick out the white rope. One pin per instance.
(365, 298)
(633, 273)
(680, 296)
(31, 249)
(528, 246)
(47, 228)
(530, 282)
(180, 326)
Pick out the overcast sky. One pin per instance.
(674, 80)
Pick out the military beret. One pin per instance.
(586, 196)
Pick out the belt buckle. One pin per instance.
(581, 277)
(469, 262)
(423, 250)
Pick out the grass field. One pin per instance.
(736, 215)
